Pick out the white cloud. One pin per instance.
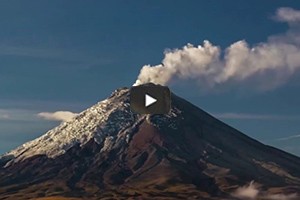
(288, 138)
(9, 114)
(264, 66)
(252, 191)
(286, 14)
(247, 192)
(248, 116)
(31, 115)
(4, 116)
(57, 116)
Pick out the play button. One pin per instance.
(149, 100)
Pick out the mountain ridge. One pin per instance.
(184, 154)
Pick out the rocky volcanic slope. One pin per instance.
(108, 152)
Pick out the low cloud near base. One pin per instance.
(252, 191)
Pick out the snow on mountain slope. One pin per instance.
(108, 148)
(98, 122)
(102, 122)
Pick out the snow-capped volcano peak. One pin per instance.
(108, 146)
(101, 122)
(109, 122)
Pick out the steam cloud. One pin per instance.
(265, 65)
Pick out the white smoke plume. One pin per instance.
(264, 66)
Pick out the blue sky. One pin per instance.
(67, 55)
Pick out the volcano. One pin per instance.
(109, 152)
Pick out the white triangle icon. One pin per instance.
(149, 100)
